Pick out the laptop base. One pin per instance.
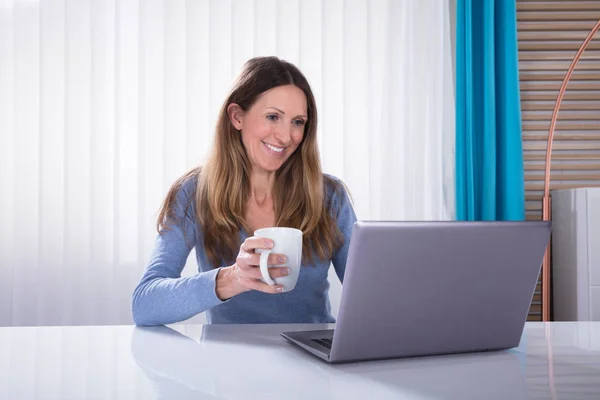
(306, 340)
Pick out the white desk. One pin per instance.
(557, 360)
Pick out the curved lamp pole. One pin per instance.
(546, 198)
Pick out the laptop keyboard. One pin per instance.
(323, 342)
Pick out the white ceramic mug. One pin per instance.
(287, 241)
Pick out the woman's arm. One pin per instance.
(163, 296)
(344, 212)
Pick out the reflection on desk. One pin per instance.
(254, 360)
(555, 360)
(227, 363)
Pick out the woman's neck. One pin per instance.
(261, 188)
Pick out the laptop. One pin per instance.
(432, 288)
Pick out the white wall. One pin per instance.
(103, 103)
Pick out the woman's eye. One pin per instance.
(299, 122)
(272, 117)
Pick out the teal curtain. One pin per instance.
(489, 155)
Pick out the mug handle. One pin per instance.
(264, 268)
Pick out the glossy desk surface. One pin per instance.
(553, 361)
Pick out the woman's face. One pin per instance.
(273, 127)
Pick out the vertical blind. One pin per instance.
(550, 33)
(103, 103)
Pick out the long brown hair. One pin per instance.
(223, 184)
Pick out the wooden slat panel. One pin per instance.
(565, 106)
(574, 136)
(528, 146)
(558, 25)
(534, 218)
(555, 86)
(556, 56)
(590, 5)
(549, 34)
(564, 116)
(551, 16)
(562, 126)
(553, 186)
(562, 157)
(573, 45)
(563, 177)
(531, 197)
(589, 96)
(563, 167)
(583, 65)
(558, 76)
(536, 307)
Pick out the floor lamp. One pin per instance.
(546, 214)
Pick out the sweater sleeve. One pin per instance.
(345, 217)
(163, 296)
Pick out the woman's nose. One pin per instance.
(283, 134)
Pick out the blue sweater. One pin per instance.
(164, 297)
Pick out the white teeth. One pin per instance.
(277, 149)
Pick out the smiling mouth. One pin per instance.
(274, 148)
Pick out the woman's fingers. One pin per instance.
(278, 272)
(248, 262)
(254, 242)
(254, 272)
(261, 286)
(274, 259)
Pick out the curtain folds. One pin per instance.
(489, 154)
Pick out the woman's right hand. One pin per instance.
(245, 274)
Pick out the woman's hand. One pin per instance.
(245, 274)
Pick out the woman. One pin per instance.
(263, 171)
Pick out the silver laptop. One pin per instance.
(431, 288)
